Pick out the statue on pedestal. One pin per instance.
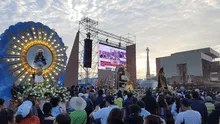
(162, 83)
(39, 63)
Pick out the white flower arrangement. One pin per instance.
(39, 90)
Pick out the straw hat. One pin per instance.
(77, 103)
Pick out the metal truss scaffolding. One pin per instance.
(87, 25)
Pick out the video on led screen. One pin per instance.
(110, 57)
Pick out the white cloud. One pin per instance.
(165, 26)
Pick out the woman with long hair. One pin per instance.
(115, 116)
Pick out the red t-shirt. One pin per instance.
(30, 120)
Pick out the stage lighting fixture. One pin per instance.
(119, 44)
(88, 35)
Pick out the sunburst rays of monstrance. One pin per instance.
(20, 45)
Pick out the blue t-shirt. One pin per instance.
(56, 111)
(144, 112)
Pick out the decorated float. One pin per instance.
(33, 60)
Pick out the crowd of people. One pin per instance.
(89, 105)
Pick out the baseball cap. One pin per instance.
(24, 109)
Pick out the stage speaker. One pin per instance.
(87, 58)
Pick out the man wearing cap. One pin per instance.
(189, 116)
(104, 112)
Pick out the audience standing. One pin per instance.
(115, 116)
(215, 114)
(24, 114)
(134, 115)
(4, 113)
(150, 102)
(104, 112)
(188, 116)
(199, 105)
(62, 119)
(47, 118)
(209, 104)
(56, 109)
(129, 101)
(143, 111)
(119, 100)
(78, 116)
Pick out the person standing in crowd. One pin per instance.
(100, 99)
(62, 119)
(47, 118)
(78, 116)
(104, 112)
(215, 114)
(134, 116)
(125, 95)
(24, 114)
(163, 107)
(209, 104)
(143, 111)
(176, 107)
(150, 102)
(4, 113)
(56, 109)
(127, 103)
(115, 116)
(119, 100)
(199, 105)
(188, 116)
(89, 106)
(217, 98)
(34, 108)
(92, 95)
(153, 119)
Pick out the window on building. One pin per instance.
(182, 69)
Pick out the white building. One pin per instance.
(196, 64)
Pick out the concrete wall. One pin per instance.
(131, 62)
(192, 59)
(71, 77)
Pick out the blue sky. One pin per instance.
(165, 26)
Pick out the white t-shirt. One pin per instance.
(103, 113)
(189, 117)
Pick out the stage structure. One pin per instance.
(89, 28)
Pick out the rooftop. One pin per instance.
(208, 51)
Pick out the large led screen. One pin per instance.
(110, 57)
